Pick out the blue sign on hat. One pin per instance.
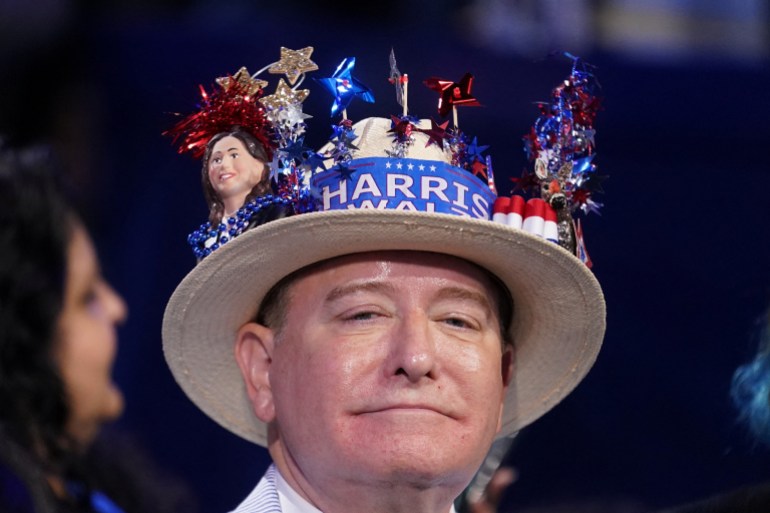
(387, 183)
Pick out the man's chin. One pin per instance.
(427, 474)
(424, 461)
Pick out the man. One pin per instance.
(378, 347)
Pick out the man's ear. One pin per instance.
(507, 365)
(507, 375)
(253, 352)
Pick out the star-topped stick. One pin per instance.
(293, 63)
(344, 86)
(453, 95)
(284, 110)
(284, 106)
(401, 82)
(284, 96)
(243, 80)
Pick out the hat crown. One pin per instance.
(387, 172)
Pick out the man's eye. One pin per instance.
(362, 316)
(460, 322)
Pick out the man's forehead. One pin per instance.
(384, 263)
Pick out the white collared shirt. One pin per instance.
(291, 501)
(274, 492)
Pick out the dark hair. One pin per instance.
(255, 149)
(35, 229)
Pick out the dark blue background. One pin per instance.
(681, 247)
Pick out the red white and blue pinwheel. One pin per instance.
(453, 94)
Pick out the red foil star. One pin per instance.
(479, 169)
(402, 128)
(527, 182)
(581, 196)
(436, 133)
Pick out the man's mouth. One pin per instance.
(409, 407)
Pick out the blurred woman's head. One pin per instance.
(57, 317)
(86, 340)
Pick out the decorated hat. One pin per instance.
(391, 184)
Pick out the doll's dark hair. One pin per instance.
(36, 225)
(255, 149)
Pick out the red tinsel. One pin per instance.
(221, 111)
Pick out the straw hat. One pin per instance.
(381, 201)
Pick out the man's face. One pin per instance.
(389, 366)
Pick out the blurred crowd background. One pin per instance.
(682, 247)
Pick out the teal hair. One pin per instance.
(750, 389)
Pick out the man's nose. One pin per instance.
(414, 349)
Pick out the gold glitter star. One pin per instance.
(243, 78)
(293, 63)
(284, 96)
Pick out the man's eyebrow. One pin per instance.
(355, 287)
(465, 294)
(450, 292)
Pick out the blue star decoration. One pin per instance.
(474, 150)
(314, 161)
(345, 135)
(344, 86)
(295, 149)
(345, 172)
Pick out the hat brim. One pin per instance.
(558, 322)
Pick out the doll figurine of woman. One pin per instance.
(233, 136)
(236, 184)
(234, 172)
